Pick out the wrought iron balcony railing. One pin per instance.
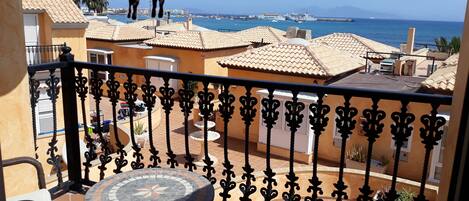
(75, 82)
(41, 54)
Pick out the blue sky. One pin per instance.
(447, 10)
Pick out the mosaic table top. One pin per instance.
(152, 184)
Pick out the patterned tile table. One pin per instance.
(152, 184)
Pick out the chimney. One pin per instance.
(304, 34)
(292, 32)
(189, 24)
(410, 40)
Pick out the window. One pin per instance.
(437, 154)
(100, 57)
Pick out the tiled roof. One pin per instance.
(442, 80)
(311, 59)
(93, 24)
(180, 26)
(119, 33)
(151, 22)
(260, 34)
(452, 60)
(199, 40)
(356, 45)
(60, 11)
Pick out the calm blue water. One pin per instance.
(392, 32)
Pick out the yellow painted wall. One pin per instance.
(15, 121)
(211, 59)
(75, 38)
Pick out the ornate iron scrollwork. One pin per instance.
(131, 97)
(401, 131)
(105, 158)
(318, 120)
(345, 125)
(294, 118)
(149, 98)
(248, 112)
(33, 99)
(206, 109)
(270, 116)
(113, 94)
(373, 128)
(167, 102)
(187, 103)
(431, 134)
(81, 88)
(53, 93)
(226, 109)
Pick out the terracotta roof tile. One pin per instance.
(199, 40)
(60, 11)
(312, 59)
(452, 60)
(151, 22)
(93, 24)
(180, 26)
(356, 45)
(260, 34)
(442, 80)
(118, 33)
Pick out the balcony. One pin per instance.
(41, 54)
(240, 168)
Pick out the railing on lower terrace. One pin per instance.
(41, 54)
(75, 82)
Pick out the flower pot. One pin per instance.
(141, 139)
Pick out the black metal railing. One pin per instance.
(41, 54)
(75, 82)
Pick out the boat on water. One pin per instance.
(274, 20)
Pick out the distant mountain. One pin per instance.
(347, 11)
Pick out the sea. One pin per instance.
(391, 32)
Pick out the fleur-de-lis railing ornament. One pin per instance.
(318, 120)
(294, 118)
(373, 127)
(206, 109)
(226, 110)
(248, 112)
(187, 103)
(33, 99)
(53, 93)
(97, 91)
(167, 102)
(270, 116)
(81, 88)
(345, 125)
(131, 97)
(114, 94)
(431, 134)
(149, 98)
(401, 131)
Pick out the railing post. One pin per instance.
(71, 119)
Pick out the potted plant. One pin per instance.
(140, 133)
(356, 159)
